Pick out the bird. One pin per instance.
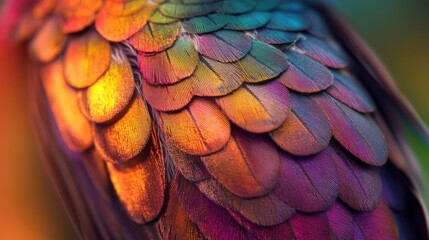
(218, 119)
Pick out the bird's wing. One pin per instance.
(215, 119)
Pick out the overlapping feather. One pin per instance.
(263, 135)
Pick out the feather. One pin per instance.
(306, 130)
(182, 11)
(267, 6)
(213, 78)
(205, 24)
(77, 24)
(74, 128)
(123, 8)
(253, 231)
(49, 41)
(224, 45)
(158, 17)
(380, 84)
(341, 221)
(77, 15)
(117, 28)
(257, 108)
(180, 62)
(248, 21)
(310, 226)
(309, 184)
(168, 97)
(189, 166)
(247, 166)
(199, 129)
(140, 183)
(214, 221)
(86, 59)
(305, 75)
(360, 185)
(288, 21)
(322, 52)
(109, 96)
(237, 6)
(357, 132)
(155, 37)
(318, 26)
(349, 91)
(378, 224)
(127, 137)
(271, 36)
(262, 63)
(175, 223)
(293, 6)
(267, 210)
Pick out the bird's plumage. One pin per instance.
(214, 119)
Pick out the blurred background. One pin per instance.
(397, 30)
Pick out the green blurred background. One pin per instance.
(397, 30)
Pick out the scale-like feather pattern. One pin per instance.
(158, 17)
(265, 109)
(378, 224)
(74, 128)
(179, 10)
(120, 8)
(277, 232)
(275, 36)
(108, 97)
(267, 210)
(267, 5)
(306, 130)
(305, 74)
(206, 24)
(175, 223)
(118, 28)
(189, 166)
(155, 37)
(224, 46)
(248, 21)
(214, 221)
(322, 52)
(77, 15)
(213, 78)
(127, 137)
(168, 97)
(288, 21)
(199, 129)
(349, 91)
(341, 221)
(140, 183)
(368, 142)
(96, 52)
(179, 62)
(360, 185)
(237, 6)
(309, 184)
(310, 226)
(246, 96)
(262, 63)
(254, 164)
